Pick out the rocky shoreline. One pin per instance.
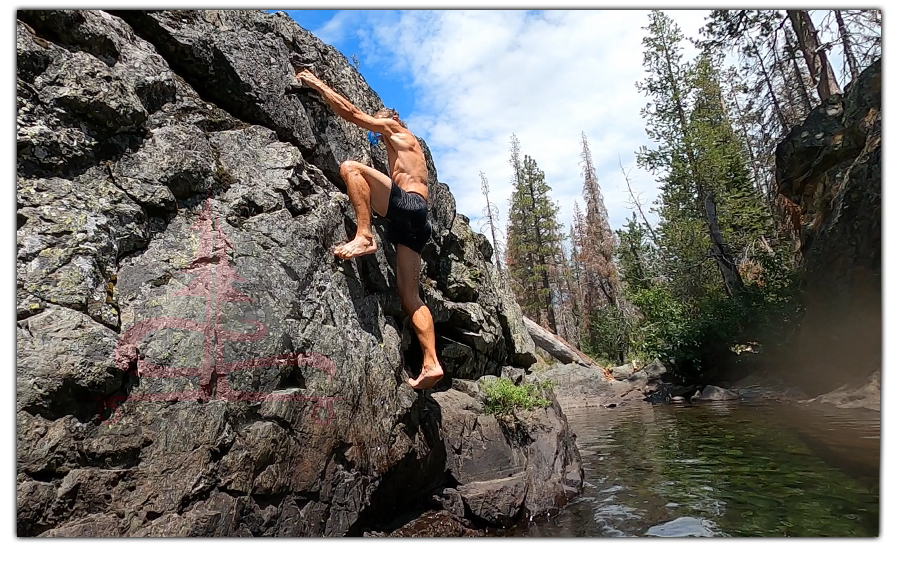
(580, 387)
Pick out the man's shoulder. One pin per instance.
(397, 128)
(404, 135)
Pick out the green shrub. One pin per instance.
(503, 397)
(691, 335)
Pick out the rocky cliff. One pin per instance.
(191, 359)
(829, 167)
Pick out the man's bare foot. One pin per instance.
(359, 246)
(427, 378)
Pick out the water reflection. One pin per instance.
(724, 469)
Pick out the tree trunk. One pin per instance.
(556, 346)
(551, 314)
(545, 277)
(796, 114)
(798, 76)
(845, 41)
(490, 213)
(815, 56)
(571, 311)
(727, 267)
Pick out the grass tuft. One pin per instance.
(504, 397)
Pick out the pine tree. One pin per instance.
(849, 57)
(534, 241)
(576, 277)
(569, 301)
(599, 242)
(799, 83)
(597, 249)
(635, 254)
(687, 188)
(722, 162)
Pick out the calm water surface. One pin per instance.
(722, 470)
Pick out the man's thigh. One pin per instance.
(379, 187)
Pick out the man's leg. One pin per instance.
(408, 265)
(369, 190)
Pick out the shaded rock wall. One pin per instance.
(830, 167)
(191, 360)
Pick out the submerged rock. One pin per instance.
(684, 527)
(715, 393)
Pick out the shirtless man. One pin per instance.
(402, 200)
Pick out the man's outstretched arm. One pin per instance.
(343, 107)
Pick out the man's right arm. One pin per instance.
(344, 108)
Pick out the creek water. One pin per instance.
(726, 469)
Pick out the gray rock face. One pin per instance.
(867, 396)
(467, 387)
(830, 167)
(529, 467)
(191, 360)
(520, 343)
(450, 501)
(513, 374)
(498, 501)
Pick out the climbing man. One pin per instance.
(402, 199)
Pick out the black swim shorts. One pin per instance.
(407, 219)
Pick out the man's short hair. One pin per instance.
(389, 113)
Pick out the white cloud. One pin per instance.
(480, 76)
(336, 30)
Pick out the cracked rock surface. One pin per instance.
(191, 359)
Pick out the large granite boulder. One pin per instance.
(191, 360)
(577, 386)
(525, 464)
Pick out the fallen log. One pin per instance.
(559, 348)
